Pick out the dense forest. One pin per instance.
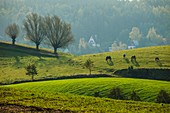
(112, 24)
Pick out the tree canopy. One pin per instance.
(12, 31)
(33, 25)
(58, 33)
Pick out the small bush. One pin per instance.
(163, 97)
(134, 96)
(116, 93)
(31, 70)
(96, 94)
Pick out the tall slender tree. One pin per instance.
(58, 33)
(33, 25)
(12, 31)
(89, 65)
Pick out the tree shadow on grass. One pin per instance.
(17, 63)
(135, 63)
(110, 63)
(159, 63)
(126, 60)
(40, 58)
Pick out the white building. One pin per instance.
(91, 42)
(131, 47)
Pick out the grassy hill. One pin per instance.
(14, 59)
(146, 89)
(144, 56)
(39, 101)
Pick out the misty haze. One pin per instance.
(101, 56)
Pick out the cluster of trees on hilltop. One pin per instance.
(109, 20)
(50, 29)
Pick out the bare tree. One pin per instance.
(12, 31)
(33, 25)
(58, 33)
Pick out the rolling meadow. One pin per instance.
(78, 94)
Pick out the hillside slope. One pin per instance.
(66, 103)
(145, 57)
(146, 89)
(14, 59)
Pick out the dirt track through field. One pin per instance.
(12, 108)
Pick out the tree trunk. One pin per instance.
(90, 71)
(37, 47)
(55, 51)
(13, 40)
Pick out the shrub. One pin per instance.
(134, 96)
(96, 94)
(163, 97)
(116, 93)
(89, 65)
(31, 70)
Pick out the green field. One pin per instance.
(13, 61)
(58, 102)
(76, 95)
(146, 89)
(145, 57)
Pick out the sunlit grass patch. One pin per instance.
(146, 89)
(75, 103)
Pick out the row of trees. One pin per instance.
(151, 38)
(110, 20)
(136, 39)
(51, 29)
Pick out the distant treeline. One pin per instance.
(106, 20)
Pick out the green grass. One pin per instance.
(74, 103)
(146, 89)
(145, 58)
(13, 61)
